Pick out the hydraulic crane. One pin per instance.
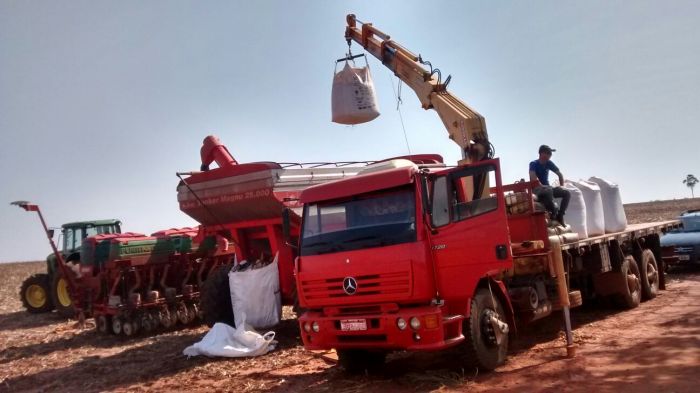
(466, 127)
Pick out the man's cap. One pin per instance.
(546, 149)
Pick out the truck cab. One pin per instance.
(393, 259)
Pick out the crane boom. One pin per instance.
(465, 126)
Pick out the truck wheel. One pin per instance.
(61, 295)
(215, 299)
(629, 288)
(482, 347)
(649, 273)
(355, 361)
(34, 294)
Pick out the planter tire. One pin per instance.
(215, 298)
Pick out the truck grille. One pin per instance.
(682, 249)
(395, 283)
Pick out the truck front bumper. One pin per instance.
(381, 330)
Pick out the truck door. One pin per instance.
(471, 231)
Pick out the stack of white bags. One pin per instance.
(595, 207)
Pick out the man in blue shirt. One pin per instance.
(539, 172)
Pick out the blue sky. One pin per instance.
(102, 102)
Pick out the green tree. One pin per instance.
(691, 181)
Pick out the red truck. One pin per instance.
(412, 254)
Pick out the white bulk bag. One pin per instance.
(615, 217)
(576, 212)
(255, 296)
(595, 219)
(224, 340)
(353, 100)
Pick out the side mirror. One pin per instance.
(50, 233)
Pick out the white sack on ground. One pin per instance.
(353, 100)
(614, 211)
(576, 212)
(595, 220)
(223, 340)
(255, 296)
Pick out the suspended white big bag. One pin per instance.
(614, 211)
(255, 296)
(595, 218)
(576, 212)
(353, 100)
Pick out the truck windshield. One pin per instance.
(374, 220)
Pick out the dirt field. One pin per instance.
(654, 348)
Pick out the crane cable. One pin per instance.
(397, 97)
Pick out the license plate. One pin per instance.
(684, 257)
(353, 324)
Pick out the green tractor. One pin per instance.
(45, 292)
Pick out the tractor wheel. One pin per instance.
(356, 361)
(61, 295)
(486, 344)
(629, 288)
(34, 294)
(649, 274)
(103, 323)
(215, 299)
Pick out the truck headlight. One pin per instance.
(307, 327)
(415, 323)
(401, 323)
(315, 327)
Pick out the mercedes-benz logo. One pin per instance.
(350, 285)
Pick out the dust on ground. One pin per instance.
(655, 347)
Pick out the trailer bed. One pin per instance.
(631, 232)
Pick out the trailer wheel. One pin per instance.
(484, 347)
(34, 294)
(61, 295)
(356, 361)
(215, 299)
(629, 289)
(649, 273)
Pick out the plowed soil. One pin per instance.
(653, 348)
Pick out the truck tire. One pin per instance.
(34, 294)
(215, 299)
(480, 348)
(356, 361)
(60, 295)
(629, 288)
(649, 274)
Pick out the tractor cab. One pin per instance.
(74, 233)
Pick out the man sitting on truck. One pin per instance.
(539, 171)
